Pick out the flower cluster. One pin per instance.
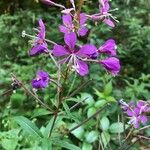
(77, 57)
(136, 113)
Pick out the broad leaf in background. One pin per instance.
(104, 123)
(79, 132)
(117, 127)
(108, 88)
(91, 136)
(86, 146)
(28, 126)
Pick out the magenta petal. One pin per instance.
(112, 65)
(41, 24)
(38, 84)
(63, 29)
(38, 49)
(82, 68)
(109, 22)
(136, 111)
(140, 104)
(42, 29)
(143, 119)
(83, 19)
(87, 50)
(70, 39)
(42, 74)
(67, 20)
(82, 31)
(130, 112)
(41, 81)
(59, 50)
(105, 7)
(147, 109)
(109, 47)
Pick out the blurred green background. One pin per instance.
(132, 34)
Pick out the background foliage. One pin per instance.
(133, 39)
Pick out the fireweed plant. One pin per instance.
(71, 58)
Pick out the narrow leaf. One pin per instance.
(28, 126)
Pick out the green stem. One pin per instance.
(70, 89)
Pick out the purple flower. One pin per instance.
(40, 46)
(111, 64)
(126, 106)
(104, 11)
(142, 106)
(136, 118)
(136, 113)
(104, 14)
(109, 47)
(74, 55)
(68, 25)
(41, 81)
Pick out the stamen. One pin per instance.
(113, 10)
(28, 35)
(32, 36)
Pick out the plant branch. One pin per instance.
(31, 93)
(59, 91)
(80, 87)
(86, 120)
(131, 144)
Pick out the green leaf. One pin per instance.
(79, 132)
(100, 103)
(86, 146)
(108, 88)
(67, 110)
(65, 144)
(99, 94)
(105, 138)
(104, 123)
(9, 144)
(91, 111)
(28, 126)
(46, 144)
(110, 99)
(88, 98)
(117, 127)
(40, 112)
(49, 125)
(91, 136)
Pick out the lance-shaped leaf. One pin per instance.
(28, 126)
